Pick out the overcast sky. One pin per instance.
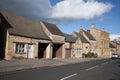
(69, 15)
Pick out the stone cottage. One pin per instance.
(88, 36)
(57, 39)
(22, 37)
(81, 45)
(69, 45)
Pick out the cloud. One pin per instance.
(114, 36)
(65, 10)
(30, 8)
(79, 9)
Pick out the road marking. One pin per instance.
(69, 76)
(104, 63)
(92, 68)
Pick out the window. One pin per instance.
(20, 48)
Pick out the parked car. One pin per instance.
(114, 56)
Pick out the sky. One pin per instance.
(69, 15)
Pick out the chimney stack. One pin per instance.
(81, 30)
(93, 26)
(102, 29)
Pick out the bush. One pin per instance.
(89, 55)
(83, 55)
(36, 57)
(95, 55)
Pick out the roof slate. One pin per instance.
(70, 38)
(88, 34)
(53, 29)
(24, 27)
(83, 40)
(112, 46)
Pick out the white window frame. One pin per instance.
(20, 48)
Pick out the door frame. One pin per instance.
(30, 55)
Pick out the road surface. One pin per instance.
(108, 69)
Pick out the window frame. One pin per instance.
(19, 48)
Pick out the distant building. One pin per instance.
(117, 45)
(102, 40)
(113, 48)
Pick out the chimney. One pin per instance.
(92, 26)
(102, 29)
(81, 30)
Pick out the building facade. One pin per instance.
(22, 37)
(81, 45)
(102, 40)
(117, 46)
(26, 38)
(69, 46)
(57, 39)
(113, 48)
(88, 36)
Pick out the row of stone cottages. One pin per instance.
(22, 37)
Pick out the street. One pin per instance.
(107, 69)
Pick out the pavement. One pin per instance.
(24, 64)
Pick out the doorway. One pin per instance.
(30, 51)
(57, 51)
(3, 35)
(42, 50)
(67, 52)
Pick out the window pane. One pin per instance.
(19, 47)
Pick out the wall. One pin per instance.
(102, 40)
(56, 39)
(11, 42)
(92, 43)
(117, 47)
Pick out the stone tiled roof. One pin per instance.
(112, 46)
(83, 40)
(22, 26)
(89, 35)
(70, 38)
(53, 29)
